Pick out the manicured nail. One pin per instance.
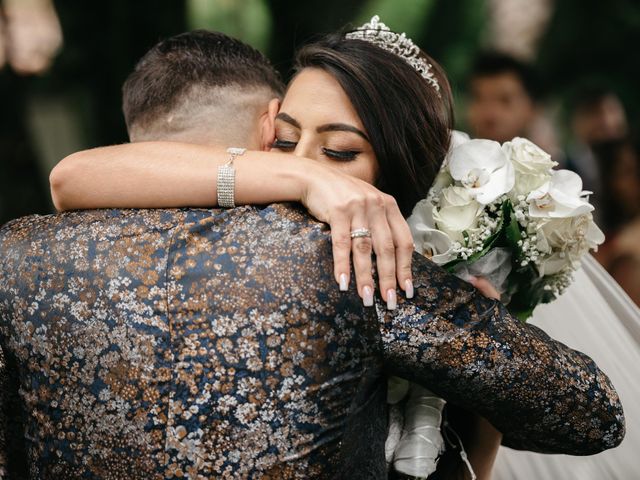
(408, 288)
(367, 296)
(392, 301)
(344, 282)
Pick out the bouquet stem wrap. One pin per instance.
(421, 442)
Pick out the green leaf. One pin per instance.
(523, 315)
(512, 227)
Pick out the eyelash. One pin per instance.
(347, 155)
(340, 155)
(283, 145)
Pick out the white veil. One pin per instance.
(594, 316)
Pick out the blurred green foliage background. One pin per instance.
(76, 104)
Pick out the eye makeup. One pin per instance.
(342, 155)
(283, 144)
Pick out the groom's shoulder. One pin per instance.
(280, 226)
(96, 222)
(289, 217)
(269, 223)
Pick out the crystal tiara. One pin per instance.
(380, 35)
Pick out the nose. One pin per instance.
(306, 148)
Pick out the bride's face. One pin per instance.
(318, 121)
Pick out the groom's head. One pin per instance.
(202, 87)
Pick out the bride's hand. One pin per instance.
(166, 175)
(485, 287)
(347, 204)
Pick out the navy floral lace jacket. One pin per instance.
(205, 344)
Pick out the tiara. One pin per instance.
(380, 35)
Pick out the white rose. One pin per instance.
(482, 167)
(561, 197)
(567, 241)
(554, 263)
(532, 165)
(429, 241)
(527, 157)
(458, 212)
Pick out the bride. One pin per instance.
(120, 176)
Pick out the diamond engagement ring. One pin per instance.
(361, 233)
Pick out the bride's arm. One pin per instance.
(163, 174)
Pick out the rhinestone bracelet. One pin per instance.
(225, 184)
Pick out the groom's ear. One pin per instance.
(268, 127)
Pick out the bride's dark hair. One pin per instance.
(407, 121)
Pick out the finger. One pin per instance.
(485, 287)
(361, 249)
(341, 245)
(403, 241)
(385, 251)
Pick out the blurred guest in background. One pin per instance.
(3, 43)
(505, 103)
(619, 165)
(597, 116)
(31, 36)
(502, 102)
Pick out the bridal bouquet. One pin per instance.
(504, 212)
(501, 212)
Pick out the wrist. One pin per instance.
(296, 175)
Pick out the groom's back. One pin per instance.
(148, 344)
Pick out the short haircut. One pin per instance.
(194, 77)
(589, 95)
(490, 64)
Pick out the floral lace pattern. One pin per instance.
(215, 344)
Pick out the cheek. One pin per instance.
(364, 168)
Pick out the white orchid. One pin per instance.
(482, 167)
(429, 241)
(457, 139)
(561, 197)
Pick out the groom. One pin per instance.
(200, 344)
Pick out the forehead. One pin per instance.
(504, 82)
(314, 97)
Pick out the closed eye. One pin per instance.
(344, 155)
(283, 144)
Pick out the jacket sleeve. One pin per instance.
(3, 418)
(542, 395)
(13, 458)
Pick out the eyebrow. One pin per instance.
(341, 127)
(287, 118)
(329, 127)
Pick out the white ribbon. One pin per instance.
(421, 442)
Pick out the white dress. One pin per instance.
(596, 317)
